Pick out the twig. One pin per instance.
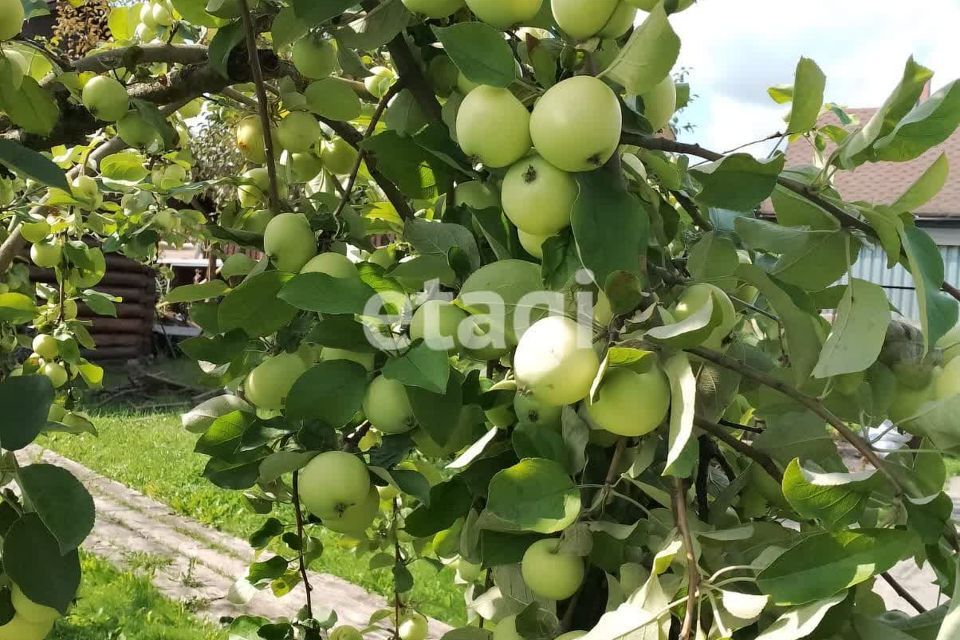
(615, 462)
(737, 425)
(693, 571)
(703, 471)
(308, 588)
(721, 434)
(397, 558)
(693, 211)
(902, 592)
(262, 104)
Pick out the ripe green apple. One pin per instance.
(506, 629)
(289, 241)
(434, 8)
(465, 85)
(437, 322)
(305, 166)
(134, 130)
(56, 373)
(413, 627)
(162, 14)
(85, 191)
(298, 132)
(693, 299)
(950, 344)
(363, 359)
(576, 124)
(146, 16)
(256, 221)
(106, 98)
(338, 156)
(531, 410)
(144, 33)
(538, 197)
(504, 13)
(659, 103)
(46, 255)
(11, 19)
(19, 628)
(379, 81)
(345, 632)
(476, 195)
(532, 244)
(353, 520)
(630, 403)
(35, 231)
(946, 381)
(334, 480)
(315, 57)
(45, 346)
(555, 361)
(254, 190)
(620, 22)
(443, 74)
(30, 610)
(335, 265)
(387, 407)
(493, 126)
(549, 572)
(268, 384)
(582, 19)
(250, 139)
(602, 313)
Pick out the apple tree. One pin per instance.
(503, 322)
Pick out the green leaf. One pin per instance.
(323, 293)
(836, 499)
(157, 121)
(32, 560)
(793, 210)
(223, 438)
(412, 483)
(648, 56)
(269, 569)
(438, 413)
(405, 163)
(128, 167)
(938, 310)
(255, 306)
(375, 28)
(236, 474)
(713, 259)
(219, 349)
(270, 529)
(929, 124)
(539, 441)
(449, 501)
(609, 224)
(28, 163)
(16, 308)
(437, 238)
(802, 621)
(333, 98)
(313, 12)
(683, 449)
(824, 564)
(692, 330)
(926, 187)
(479, 51)
(807, 96)
(26, 402)
(534, 495)
(738, 182)
(331, 391)
(30, 106)
(858, 330)
(798, 435)
(287, 27)
(196, 292)
(222, 45)
(61, 501)
(421, 367)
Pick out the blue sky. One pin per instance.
(738, 48)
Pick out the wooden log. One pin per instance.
(104, 325)
(124, 310)
(105, 340)
(112, 353)
(129, 294)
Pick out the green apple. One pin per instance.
(949, 343)
(363, 359)
(19, 628)
(333, 481)
(11, 19)
(146, 16)
(315, 57)
(468, 571)
(387, 407)
(476, 195)
(144, 33)
(379, 81)
(134, 130)
(256, 221)
(630, 403)
(506, 629)
(659, 103)
(555, 361)
(85, 191)
(335, 265)
(305, 166)
(256, 185)
(434, 8)
(162, 14)
(268, 384)
(169, 176)
(549, 572)
(531, 410)
(30, 610)
(493, 126)
(231, 9)
(45, 346)
(345, 632)
(576, 124)
(166, 219)
(582, 19)
(298, 132)
(907, 401)
(338, 156)
(250, 139)
(106, 98)
(353, 520)
(35, 231)
(620, 22)
(946, 381)
(443, 74)
(602, 312)
(693, 299)
(538, 197)
(465, 85)
(532, 244)
(56, 373)
(413, 627)
(505, 13)
(46, 255)
(437, 322)
(289, 241)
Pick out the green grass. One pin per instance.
(115, 605)
(153, 454)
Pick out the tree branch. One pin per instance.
(299, 515)
(902, 592)
(134, 55)
(409, 70)
(693, 571)
(766, 462)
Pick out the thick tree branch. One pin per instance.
(413, 78)
(132, 56)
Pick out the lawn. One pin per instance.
(153, 454)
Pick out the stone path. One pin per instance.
(200, 565)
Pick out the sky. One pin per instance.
(736, 49)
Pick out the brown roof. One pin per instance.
(885, 182)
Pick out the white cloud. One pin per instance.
(736, 49)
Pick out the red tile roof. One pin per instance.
(885, 182)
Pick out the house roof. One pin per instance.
(885, 182)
